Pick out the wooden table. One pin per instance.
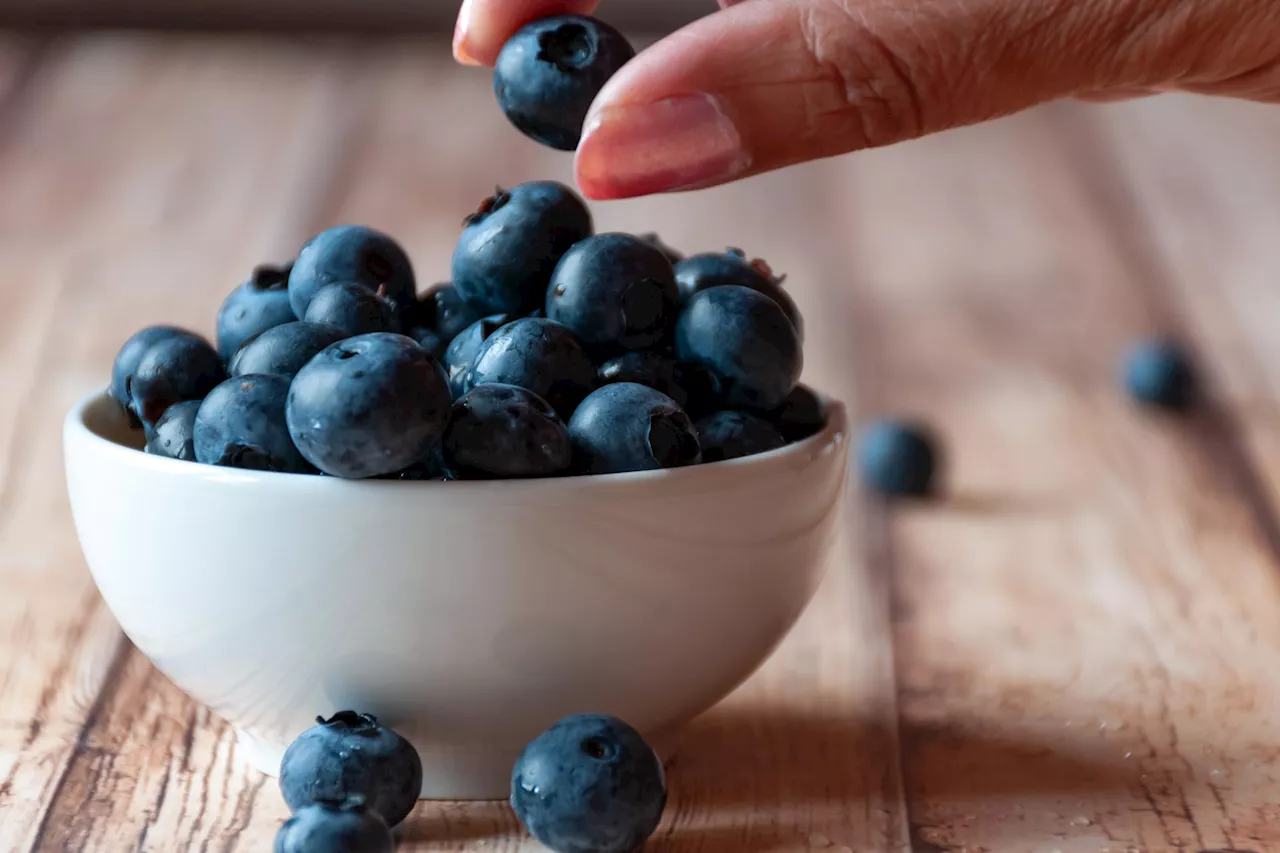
(1078, 649)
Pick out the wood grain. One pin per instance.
(1071, 651)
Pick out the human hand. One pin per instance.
(764, 84)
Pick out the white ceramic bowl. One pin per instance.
(469, 616)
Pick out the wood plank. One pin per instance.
(120, 180)
(775, 767)
(1085, 626)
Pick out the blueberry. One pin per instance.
(369, 405)
(589, 784)
(745, 341)
(658, 370)
(283, 350)
(173, 369)
(897, 458)
(671, 254)
(241, 424)
(353, 308)
(539, 355)
(501, 431)
(430, 340)
(1160, 373)
(463, 349)
(800, 415)
(335, 827)
(730, 435)
(716, 269)
(351, 253)
(172, 436)
(511, 245)
(614, 291)
(255, 306)
(352, 755)
(127, 362)
(629, 427)
(550, 71)
(449, 312)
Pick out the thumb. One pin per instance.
(768, 83)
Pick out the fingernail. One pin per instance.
(675, 144)
(460, 51)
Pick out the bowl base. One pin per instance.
(469, 775)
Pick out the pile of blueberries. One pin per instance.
(589, 783)
(553, 351)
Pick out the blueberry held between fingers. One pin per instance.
(283, 350)
(356, 254)
(335, 827)
(353, 308)
(131, 352)
(173, 435)
(589, 784)
(540, 355)
(550, 71)
(512, 243)
(800, 415)
(173, 369)
(352, 755)
(716, 269)
(731, 435)
(629, 427)
(897, 458)
(463, 349)
(241, 424)
(657, 370)
(614, 291)
(501, 432)
(255, 306)
(745, 341)
(1160, 373)
(370, 405)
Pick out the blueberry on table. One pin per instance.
(255, 306)
(463, 349)
(897, 458)
(352, 308)
(504, 432)
(550, 71)
(241, 424)
(629, 427)
(732, 434)
(510, 246)
(283, 350)
(614, 291)
(800, 415)
(173, 435)
(356, 254)
(127, 362)
(745, 341)
(716, 269)
(540, 355)
(1160, 373)
(369, 405)
(352, 755)
(657, 370)
(174, 369)
(335, 827)
(589, 784)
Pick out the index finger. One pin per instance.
(485, 25)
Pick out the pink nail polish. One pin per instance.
(679, 143)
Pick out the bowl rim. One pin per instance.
(795, 456)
